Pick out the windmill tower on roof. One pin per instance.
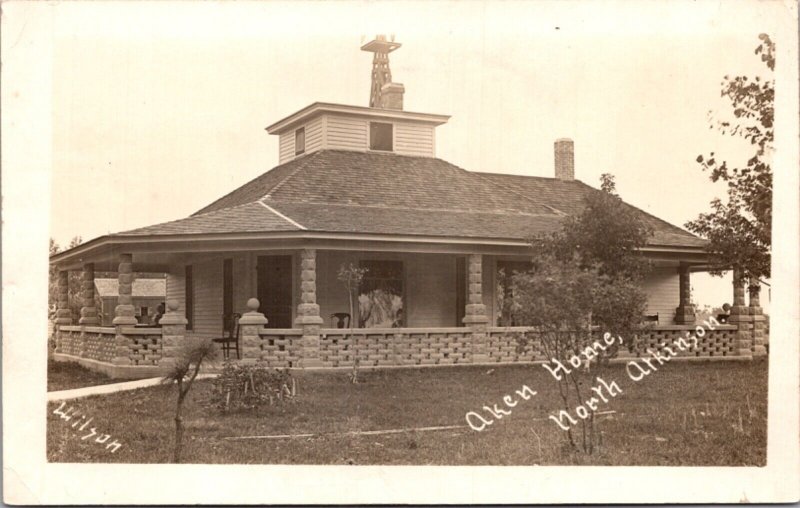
(383, 93)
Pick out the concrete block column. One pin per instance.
(173, 332)
(124, 312)
(88, 311)
(759, 320)
(250, 326)
(684, 314)
(475, 313)
(308, 318)
(740, 316)
(63, 314)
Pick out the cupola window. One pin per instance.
(300, 141)
(380, 136)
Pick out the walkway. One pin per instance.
(112, 388)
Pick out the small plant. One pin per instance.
(351, 277)
(188, 363)
(248, 386)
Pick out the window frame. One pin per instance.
(300, 134)
(188, 296)
(391, 137)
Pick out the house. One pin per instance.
(147, 295)
(363, 186)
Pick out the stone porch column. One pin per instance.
(475, 314)
(308, 318)
(173, 333)
(124, 313)
(250, 326)
(740, 316)
(88, 311)
(758, 318)
(684, 314)
(63, 314)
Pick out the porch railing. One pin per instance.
(128, 346)
(504, 343)
(123, 346)
(395, 346)
(280, 347)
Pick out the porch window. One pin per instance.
(189, 297)
(503, 294)
(380, 136)
(380, 299)
(300, 141)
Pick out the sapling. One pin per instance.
(190, 358)
(351, 277)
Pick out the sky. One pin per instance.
(159, 108)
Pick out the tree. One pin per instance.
(607, 233)
(190, 358)
(586, 276)
(739, 230)
(564, 300)
(351, 277)
(73, 286)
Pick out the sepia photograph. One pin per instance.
(517, 238)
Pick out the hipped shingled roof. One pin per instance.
(347, 191)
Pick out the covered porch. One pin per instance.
(423, 304)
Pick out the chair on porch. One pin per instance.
(230, 335)
(340, 320)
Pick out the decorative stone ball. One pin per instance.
(172, 305)
(253, 304)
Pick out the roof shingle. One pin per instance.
(357, 192)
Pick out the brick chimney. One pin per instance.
(564, 150)
(392, 96)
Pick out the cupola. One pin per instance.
(383, 127)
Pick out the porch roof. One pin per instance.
(346, 192)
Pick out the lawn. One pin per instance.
(66, 376)
(699, 414)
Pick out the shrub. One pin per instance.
(249, 386)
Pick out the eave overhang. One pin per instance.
(110, 245)
(319, 108)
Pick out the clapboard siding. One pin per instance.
(314, 135)
(346, 133)
(207, 297)
(662, 289)
(413, 139)
(176, 286)
(286, 147)
(341, 132)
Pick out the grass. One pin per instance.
(709, 414)
(66, 376)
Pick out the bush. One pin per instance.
(249, 386)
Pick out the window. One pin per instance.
(300, 141)
(380, 136)
(189, 297)
(381, 293)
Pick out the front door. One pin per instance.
(275, 290)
